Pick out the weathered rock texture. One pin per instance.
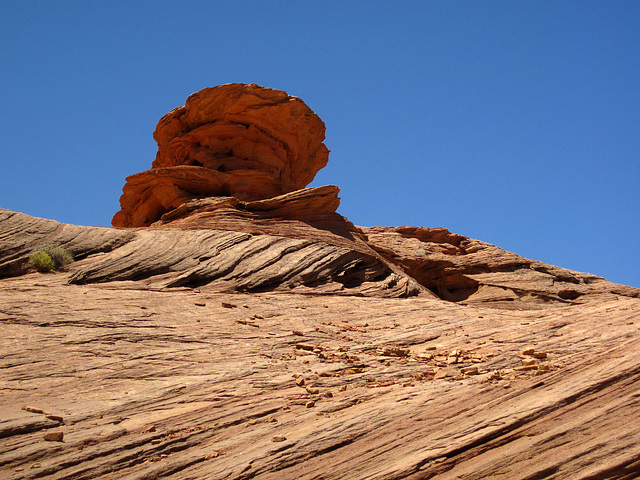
(185, 384)
(462, 269)
(223, 245)
(238, 140)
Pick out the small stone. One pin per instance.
(149, 429)
(526, 368)
(327, 394)
(300, 381)
(392, 351)
(446, 372)
(305, 346)
(298, 332)
(528, 351)
(312, 390)
(54, 436)
(228, 305)
(56, 418)
(278, 438)
(452, 360)
(310, 404)
(200, 304)
(540, 355)
(470, 370)
(528, 362)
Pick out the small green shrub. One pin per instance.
(61, 257)
(42, 261)
(46, 259)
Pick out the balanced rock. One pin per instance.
(238, 140)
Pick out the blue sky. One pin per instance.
(516, 123)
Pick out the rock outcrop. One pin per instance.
(238, 140)
(461, 269)
(235, 253)
(224, 245)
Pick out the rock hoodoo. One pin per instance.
(238, 140)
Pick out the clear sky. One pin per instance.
(516, 123)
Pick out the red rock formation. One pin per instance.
(238, 140)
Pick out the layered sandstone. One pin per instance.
(224, 245)
(187, 384)
(238, 140)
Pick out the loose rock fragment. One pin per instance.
(278, 438)
(54, 436)
(32, 409)
(392, 351)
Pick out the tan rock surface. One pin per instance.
(238, 140)
(462, 269)
(184, 384)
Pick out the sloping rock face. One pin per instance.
(222, 244)
(184, 384)
(238, 140)
(461, 269)
(238, 255)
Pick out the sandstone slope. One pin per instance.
(185, 384)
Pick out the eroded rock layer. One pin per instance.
(461, 269)
(308, 261)
(225, 245)
(238, 140)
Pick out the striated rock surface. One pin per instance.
(461, 269)
(237, 255)
(238, 140)
(185, 384)
(224, 245)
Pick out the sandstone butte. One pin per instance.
(234, 326)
